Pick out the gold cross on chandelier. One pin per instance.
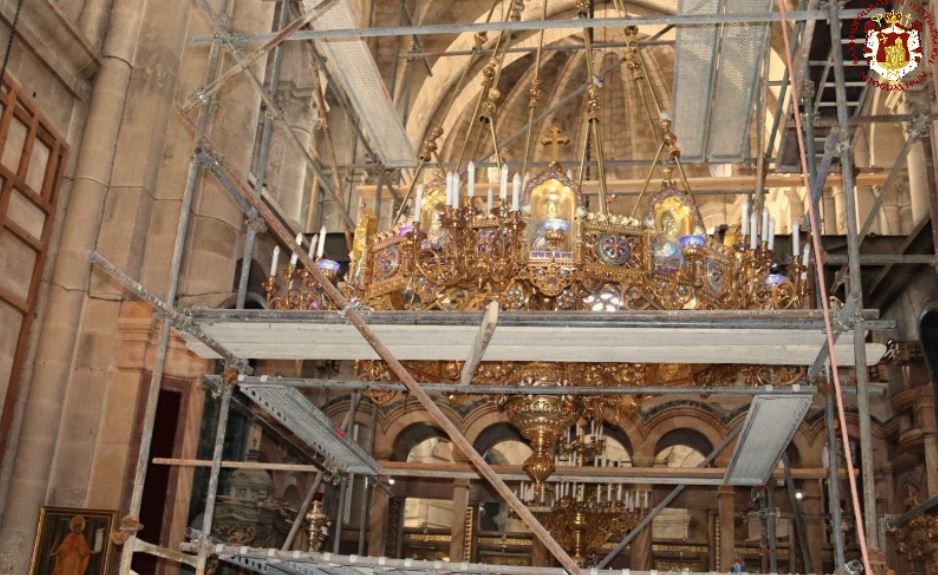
(556, 139)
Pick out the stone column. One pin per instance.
(540, 556)
(640, 551)
(925, 414)
(813, 506)
(287, 174)
(727, 511)
(910, 102)
(828, 213)
(457, 544)
(839, 224)
(889, 218)
(378, 522)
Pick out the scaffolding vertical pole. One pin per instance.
(260, 167)
(221, 426)
(368, 488)
(855, 287)
(132, 520)
(833, 483)
(771, 513)
(346, 481)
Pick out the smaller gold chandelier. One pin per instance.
(582, 517)
(541, 419)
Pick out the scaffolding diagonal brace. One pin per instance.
(177, 319)
(481, 343)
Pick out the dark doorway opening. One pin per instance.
(156, 485)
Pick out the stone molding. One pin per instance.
(56, 41)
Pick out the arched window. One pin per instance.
(424, 513)
(681, 448)
(494, 516)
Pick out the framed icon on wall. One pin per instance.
(72, 541)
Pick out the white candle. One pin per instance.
(516, 193)
(455, 190)
(765, 224)
(645, 506)
(273, 261)
(503, 185)
(472, 180)
(418, 203)
(795, 238)
(599, 493)
(771, 234)
(753, 232)
(299, 242)
(488, 200)
(619, 492)
(322, 243)
(805, 258)
(449, 188)
(744, 218)
(609, 492)
(312, 246)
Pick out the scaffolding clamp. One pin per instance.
(353, 305)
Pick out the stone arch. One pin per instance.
(399, 420)
(411, 436)
(495, 434)
(694, 419)
(481, 419)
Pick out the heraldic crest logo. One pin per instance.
(894, 42)
(893, 45)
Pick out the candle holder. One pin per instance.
(298, 289)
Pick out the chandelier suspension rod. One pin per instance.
(648, 176)
(591, 105)
(487, 83)
(534, 93)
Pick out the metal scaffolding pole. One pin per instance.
(211, 496)
(535, 25)
(130, 525)
(833, 482)
(856, 293)
(771, 516)
(447, 388)
(263, 155)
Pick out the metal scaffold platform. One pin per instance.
(757, 337)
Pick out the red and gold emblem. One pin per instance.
(893, 45)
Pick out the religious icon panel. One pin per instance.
(72, 542)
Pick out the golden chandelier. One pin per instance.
(537, 244)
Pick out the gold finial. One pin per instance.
(556, 139)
